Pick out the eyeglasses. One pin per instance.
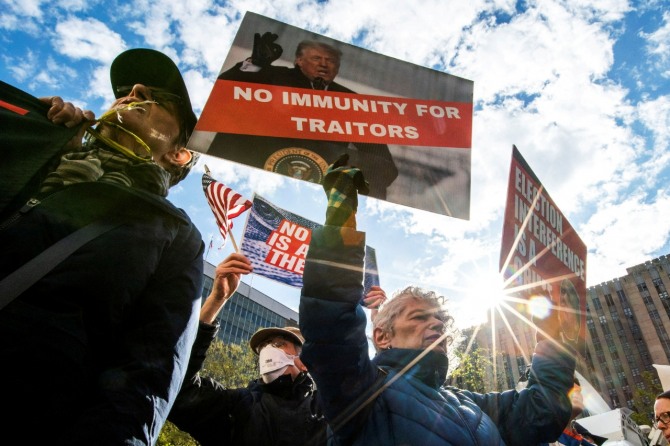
(662, 418)
(275, 342)
(157, 94)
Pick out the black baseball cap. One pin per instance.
(154, 69)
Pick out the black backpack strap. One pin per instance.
(31, 146)
(25, 276)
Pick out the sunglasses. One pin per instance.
(275, 342)
(157, 94)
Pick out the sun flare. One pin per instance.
(487, 292)
(539, 306)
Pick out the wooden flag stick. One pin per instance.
(232, 239)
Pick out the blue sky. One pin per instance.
(582, 88)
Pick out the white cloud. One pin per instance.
(87, 39)
(207, 31)
(24, 8)
(658, 45)
(10, 21)
(655, 115)
(23, 68)
(100, 86)
(626, 234)
(199, 87)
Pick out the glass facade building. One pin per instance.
(247, 311)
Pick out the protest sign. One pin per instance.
(407, 127)
(541, 252)
(276, 242)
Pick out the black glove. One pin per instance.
(265, 50)
(342, 184)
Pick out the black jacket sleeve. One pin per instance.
(204, 408)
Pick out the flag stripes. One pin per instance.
(225, 203)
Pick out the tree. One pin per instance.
(475, 366)
(171, 436)
(643, 399)
(471, 373)
(232, 365)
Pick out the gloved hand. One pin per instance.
(342, 184)
(265, 51)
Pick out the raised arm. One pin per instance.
(265, 51)
(226, 280)
(540, 412)
(203, 405)
(331, 318)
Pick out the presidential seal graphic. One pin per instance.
(297, 162)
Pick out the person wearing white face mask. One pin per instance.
(278, 350)
(278, 408)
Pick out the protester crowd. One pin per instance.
(108, 343)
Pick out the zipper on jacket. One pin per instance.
(30, 204)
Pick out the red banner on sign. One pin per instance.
(247, 108)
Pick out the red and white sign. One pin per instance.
(541, 251)
(246, 108)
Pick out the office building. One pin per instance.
(247, 311)
(627, 331)
(628, 320)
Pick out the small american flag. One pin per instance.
(225, 203)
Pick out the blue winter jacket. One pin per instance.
(415, 408)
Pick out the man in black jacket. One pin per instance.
(279, 408)
(98, 345)
(316, 65)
